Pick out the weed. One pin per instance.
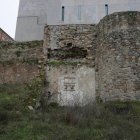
(104, 121)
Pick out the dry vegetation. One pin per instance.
(110, 121)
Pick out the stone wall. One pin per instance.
(82, 61)
(19, 61)
(118, 57)
(70, 57)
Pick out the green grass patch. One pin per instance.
(105, 121)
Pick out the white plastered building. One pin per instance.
(35, 14)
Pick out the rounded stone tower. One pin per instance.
(118, 57)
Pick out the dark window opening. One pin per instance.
(63, 13)
(106, 9)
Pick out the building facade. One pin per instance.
(34, 15)
(4, 36)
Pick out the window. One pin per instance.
(106, 9)
(79, 12)
(63, 13)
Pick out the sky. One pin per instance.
(8, 16)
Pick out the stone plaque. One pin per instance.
(69, 84)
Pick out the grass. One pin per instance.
(106, 121)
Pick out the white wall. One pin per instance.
(82, 93)
(91, 10)
(28, 30)
(32, 17)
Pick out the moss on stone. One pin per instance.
(33, 61)
(12, 45)
(58, 63)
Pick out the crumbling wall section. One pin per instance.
(70, 55)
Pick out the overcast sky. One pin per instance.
(8, 15)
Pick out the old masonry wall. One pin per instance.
(89, 61)
(82, 61)
(19, 62)
(70, 69)
(118, 57)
